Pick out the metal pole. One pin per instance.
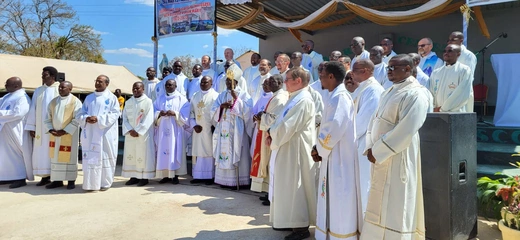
(215, 34)
(154, 38)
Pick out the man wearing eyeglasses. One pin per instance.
(296, 60)
(450, 85)
(395, 208)
(311, 59)
(429, 60)
(467, 58)
(357, 45)
(387, 45)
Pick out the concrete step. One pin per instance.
(497, 153)
(496, 171)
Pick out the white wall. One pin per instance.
(406, 37)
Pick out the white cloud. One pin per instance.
(224, 47)
(133, 51)
(205, 46)
(99, 32)
(225, 32)
(148, 45)
(145, 2)
(129, 64)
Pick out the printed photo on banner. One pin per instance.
(179, 17)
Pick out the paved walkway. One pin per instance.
(156, 211)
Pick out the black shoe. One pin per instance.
(142, 182)
(298, 235)
(282, 229)
(209, 181)
(266, 203)
(55, 184)
(18, 183)
(44, 181)
(5, 182)
(175, 180)
(165, 180)
(132, 181)
(194, 181)
(71, 185)
(264, 198)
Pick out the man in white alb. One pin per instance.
(15, 147)
(467, 58)
(205, 61)
(380, 74)
(366, 99)
(179, 78)
(388, 46)
(193, 84)
(395, 208)
(421, 76)
(357, 45)
(99, 136)
(338, 208)
(450, 84)
(172, 112)
(35, 124)
(64, 140)
(139, 154)
(202, 140)
(252, 72)
(255, 89)
(151, 82)
(311, 59)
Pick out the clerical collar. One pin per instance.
(204, 92)
(100, 93)
(170, 94)
(447, 64)
(402, 81)
(63, 98)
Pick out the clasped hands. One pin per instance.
(92, 119)
(57, 133)
(167, 113)
(197, 128)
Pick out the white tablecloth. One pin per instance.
(507, 113)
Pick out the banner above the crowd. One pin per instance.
(473, 3)
(181, 17)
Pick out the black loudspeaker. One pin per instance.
(61, 77)
(449, 171)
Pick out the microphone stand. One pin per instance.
(482, 67)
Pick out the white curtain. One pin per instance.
(508, 100)
(304, 21)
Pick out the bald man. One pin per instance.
(63, 129)
(334, 55)
(15, 163)
(467, 58)
(429, 59)
(229, 55)
(366, 99)
(357, 45)
(450, 85)
(380, 73)
(420, 75)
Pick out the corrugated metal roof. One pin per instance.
(293, 10)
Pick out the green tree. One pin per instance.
(36, 28)
(187, 61)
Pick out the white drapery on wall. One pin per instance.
(226, 2)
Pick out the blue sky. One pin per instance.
(126, 27)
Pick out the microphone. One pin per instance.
(504, 35)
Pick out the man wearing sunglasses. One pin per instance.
(450, 85)
(467, 58)
(311, 59)
(429, 60)
(395, 207)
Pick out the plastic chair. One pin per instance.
(481, 93)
